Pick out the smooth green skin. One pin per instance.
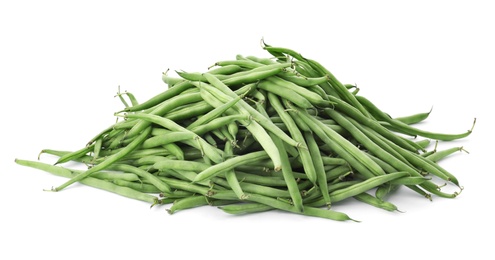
(76, 154)
(371, 136)
(303, 81)
(226, 70)
(209, 151)
(245, 208)
(216, 112)
(233, 129)
(297, 135)
(289, 178)
(407, 129)
(106, 175)
(374, 144)
(188, 203)
(175, 150)
(168, 138)
(337, 85)
(255, 75)
(224, 93)
(373, 201)
(83, 159)
(242, 77)
(139, 186)
(274, 203)
(231, 176)
(308, 211)
(271, 181)
(414, 119)
(254, 128)
(149, 160)
(423, 143)
(251, 188)
(332, 161)
(230, 164)
(180, 165)
(160, 98)
(315, 199)
(246, 64)
(152, 179)
(309, 95)
(109, 161)
(217, 123)
(422, 163)
(373, 124)
(171, 81)
(439, 155)
(337, 172)
(361, 187)
(318, 164)
(91, 181)
(335, 147)
(286, 93)
(385, 190)
(163, 108)
(189, 111)
(345, 144)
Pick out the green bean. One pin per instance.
(171, 81)
(172, 137)
(245, 208)
(74, 155)
(107, 175)
(344, 143)
(209, 151)
(160, 98)
(187, 203)
(241, 63)
(231, 176)
(214, 113)
(308, 211)
(318, 164)
(138, 186)
(109, 161)
(407, 129)
(311, 96)
(226, 70)
(255, 129)
(286, 93)
(385, 189)
(180, 165)
(303, 81)
(262, 120)
(413, 119)
(294, 192)
(371, 200)
(163, 108)
(374, 144)
(218, 123)
(230, 164)
(339, 87)
(354, 113)
(152, 179)
(437, 156)
(189, 111)
(90, 181)
(364, 186)
(263, 72)
(297, 135)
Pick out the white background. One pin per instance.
(61, 64)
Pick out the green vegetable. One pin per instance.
(256, 134)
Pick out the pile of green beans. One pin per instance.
(257, 134)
